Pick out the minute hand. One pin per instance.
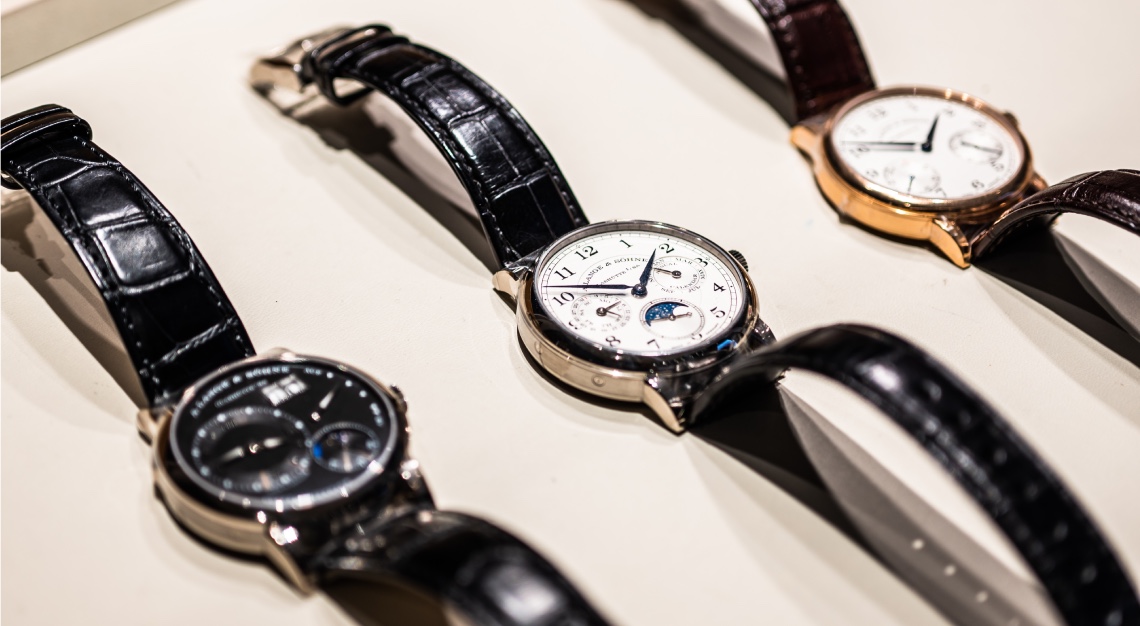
(591, 286)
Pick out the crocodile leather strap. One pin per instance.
(978, 448)
(1112, 195)
(174, 319)
(821, 53)
(477, 567)
(522, 197)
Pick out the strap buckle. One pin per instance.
(286, 77)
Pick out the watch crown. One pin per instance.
(739, 258)
(399, 394)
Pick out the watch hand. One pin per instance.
(639, 289)
(603, 311)
(928, 145)
(591, 286)
(982, 148)
(673, 273)
(885, 145)
(674, 316)
(240, 452)
(324, 403)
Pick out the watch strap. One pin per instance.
(995, 466)
(1111, 195)
(175, 321)
(522, 197)
(488, 574)
(822, 57)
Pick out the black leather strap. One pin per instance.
(1112, 195)
(820, 50)
(978, 448)
(522, 197)
(479, 568)
(174, 318)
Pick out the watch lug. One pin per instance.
(669, 416)
(279, 353)
(278, 538)
(414, 482)
(147, 421)
(1012, 119)
(947, 236)
(506, 281)
(806, 134)
(1036, 183)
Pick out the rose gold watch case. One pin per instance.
(937, 221)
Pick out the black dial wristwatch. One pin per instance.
(921, 163)
(298, 459)
(647, 312)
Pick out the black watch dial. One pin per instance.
(284, 435)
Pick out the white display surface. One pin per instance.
(322, 255)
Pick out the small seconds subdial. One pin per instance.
(926, 148)
(592, 311)
(684, 291)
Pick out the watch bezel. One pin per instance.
(601, 370)
(241, 528)
(979, 203)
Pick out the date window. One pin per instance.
(283, 389)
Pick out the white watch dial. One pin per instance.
(926, 147)
(640, 288)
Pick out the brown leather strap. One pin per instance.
(1111, 195)
(821, 53)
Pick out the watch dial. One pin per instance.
(926, 147)
(284, 435)
(640, 288)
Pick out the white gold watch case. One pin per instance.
(664, 383)
(273, 533)
(935, 220)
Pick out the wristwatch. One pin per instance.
(646, 312)
(298, 459)
(920, 163)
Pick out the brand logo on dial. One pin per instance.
(640, 288)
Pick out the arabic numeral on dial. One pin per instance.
(564, 273)
(625, 242)
(563, 298)
(876, 113)
(667, 248)
(871, 173)
(613, 341)
(999, 167)
(653, 342)
(718, 287)
(703, 262)
(587, 251)
(977, 184)
(717, 312)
